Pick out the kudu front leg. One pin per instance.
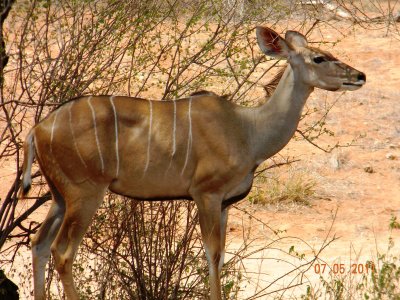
(209, 208)
(223, 226)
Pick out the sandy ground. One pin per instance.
(363, 202)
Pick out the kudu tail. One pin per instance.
(29, 155)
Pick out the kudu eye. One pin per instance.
(319, 59)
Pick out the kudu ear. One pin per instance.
(271, 43)
(296, 39)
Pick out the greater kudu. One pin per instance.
(202, 148)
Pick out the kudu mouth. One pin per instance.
(354, 85)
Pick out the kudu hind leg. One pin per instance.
(210, 224)
(41, 244)
(78, 215)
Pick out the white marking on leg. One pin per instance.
(95, 133)
(52, 130)
(149, 136)
(189, 142)
(223, 224)
(209, 260)
(221, 260)
(116, 134)
(39, 262)
(73, 134)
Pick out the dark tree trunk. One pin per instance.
(5, 7)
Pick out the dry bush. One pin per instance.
(146, 250)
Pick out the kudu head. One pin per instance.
(317, 68)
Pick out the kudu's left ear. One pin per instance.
(296, 39)
(271, 43)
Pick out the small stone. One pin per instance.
(334, 161)
(390, 156)
(369, 169)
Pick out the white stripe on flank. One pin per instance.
(149, 136)
(174, 132)
(73, 134)
(189, 143)
(52, 129)
(116, 134)
(173, 151)
(95, 133)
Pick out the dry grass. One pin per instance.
(290, 187)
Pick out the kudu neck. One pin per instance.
(275, 122)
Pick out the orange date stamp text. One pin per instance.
(340, 268)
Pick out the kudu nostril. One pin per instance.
(362, 77)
